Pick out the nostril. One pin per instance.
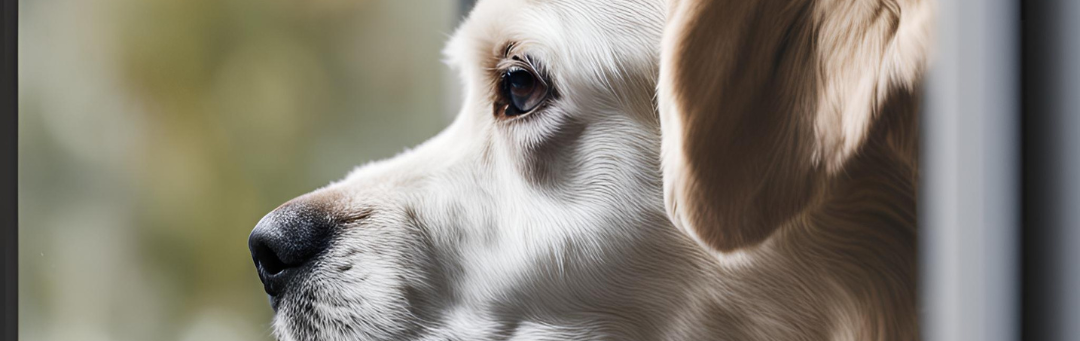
(268, 260)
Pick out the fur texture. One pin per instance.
(552, 225)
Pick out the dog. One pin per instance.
(632, 170)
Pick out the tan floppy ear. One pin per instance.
(761, 101)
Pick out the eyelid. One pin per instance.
(525, 64)
(513, 68)
(507, 64)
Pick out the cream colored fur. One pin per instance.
(553, 226)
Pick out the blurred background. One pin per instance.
(153, 135)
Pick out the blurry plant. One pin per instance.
(219, 111)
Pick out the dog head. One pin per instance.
(539, 207)
(539, 213)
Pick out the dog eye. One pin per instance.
(522, 91)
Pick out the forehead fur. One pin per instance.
(601, 40)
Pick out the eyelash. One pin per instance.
(520, 89)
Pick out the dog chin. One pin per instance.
(298, 316)
(319, 310)
(297, 320)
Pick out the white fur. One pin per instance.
(551, 226)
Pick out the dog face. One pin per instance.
(538, 214)
(541, 213)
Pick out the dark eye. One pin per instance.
(522, 91)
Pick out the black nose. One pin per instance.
(286, 240)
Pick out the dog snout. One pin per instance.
(286, 240)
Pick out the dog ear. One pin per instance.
(762, 101)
